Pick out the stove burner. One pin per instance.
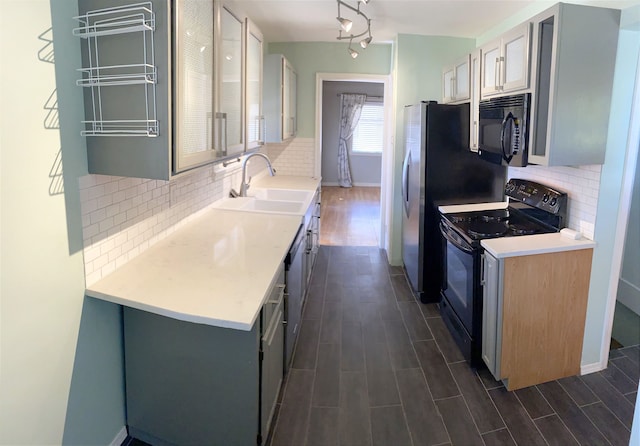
(487, 229)
(495, 215)
(522, 229)
(461, 218)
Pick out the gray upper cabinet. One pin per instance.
(505, 63)
(195, 129)
(574, 50)
(208, 83)
(128, 123)
(230, 80)
(280, 98)
(187, 104)
(455, 81)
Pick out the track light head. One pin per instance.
(365, 42)
(353, 53)
(345, 24)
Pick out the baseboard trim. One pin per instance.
(592, 368)
(120, 437)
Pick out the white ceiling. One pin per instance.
(315, 20)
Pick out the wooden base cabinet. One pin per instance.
(195, 384)
(534, 313)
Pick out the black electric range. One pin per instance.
(533, 208)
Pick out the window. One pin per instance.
(367, 138)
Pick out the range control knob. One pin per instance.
(545, 198)
(553, 202)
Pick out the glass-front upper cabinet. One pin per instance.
(208, 83)
(194, 84)
(255, 118)
(230, 106)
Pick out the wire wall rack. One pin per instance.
(95, 27)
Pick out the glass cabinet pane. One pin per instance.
(231, 94)
(193, 84)
(254, 90)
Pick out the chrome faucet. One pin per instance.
(245, 183)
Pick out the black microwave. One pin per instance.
(503, 130)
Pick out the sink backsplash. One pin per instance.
(122, 217)
(295, 157)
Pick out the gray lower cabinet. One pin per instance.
(195, 384)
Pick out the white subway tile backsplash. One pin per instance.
(122, 217)
(582, 185)
(295, 157)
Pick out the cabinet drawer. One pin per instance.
(273, 304)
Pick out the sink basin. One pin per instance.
(253, 204)
(289, 207)
(281, 194)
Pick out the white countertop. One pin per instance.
(449, 209)
(216, 270)
(502, 247)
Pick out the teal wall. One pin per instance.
(95, 411)
(609, 195)
(309, 58)
(61, 364)
(418, 76)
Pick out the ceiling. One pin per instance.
(315, 20)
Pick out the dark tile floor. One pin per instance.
(375, 367)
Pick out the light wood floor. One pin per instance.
(350, 216)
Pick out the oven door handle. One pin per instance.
(454, 239)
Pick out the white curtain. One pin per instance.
(351, 107)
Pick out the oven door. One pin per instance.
(460, 263)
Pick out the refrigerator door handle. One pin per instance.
(405, 182)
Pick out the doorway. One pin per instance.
(357, 216)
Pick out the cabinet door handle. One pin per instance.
(454, 93)
(496, 76)
(281, 293)
(222, 129)
(475, 134)
(502, 76)
(262, 130)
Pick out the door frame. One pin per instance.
(386, 174)
(628, 179)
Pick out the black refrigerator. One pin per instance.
(438, 169)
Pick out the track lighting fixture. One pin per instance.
(347, 24)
